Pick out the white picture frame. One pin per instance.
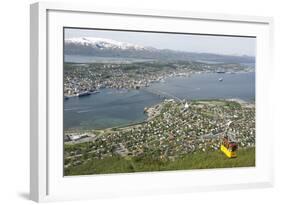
(47, 182)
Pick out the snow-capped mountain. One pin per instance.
(101, 47)
(103, 43)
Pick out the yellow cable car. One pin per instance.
(229, 147)
(228, 144)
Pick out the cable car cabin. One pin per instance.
(229, 147)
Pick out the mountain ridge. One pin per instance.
(102, 47)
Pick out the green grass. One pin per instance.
(215, 159)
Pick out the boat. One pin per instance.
(83, 94)
(95, 92)
(220, 79)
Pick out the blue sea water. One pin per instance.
(112, 107)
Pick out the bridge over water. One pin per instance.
(163, 94)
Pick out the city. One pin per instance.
(172, 130)
(149, 101)
(81, 78)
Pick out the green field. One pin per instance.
(214, 159)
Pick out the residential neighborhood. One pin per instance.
(173, 129)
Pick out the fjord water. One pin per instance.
(113, 108)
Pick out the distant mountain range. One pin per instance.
(100, 47)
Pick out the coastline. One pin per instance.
(160, 79)
(151, 112)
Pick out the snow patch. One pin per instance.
(103, 43)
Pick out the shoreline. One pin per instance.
(151, 115)
(159, 80)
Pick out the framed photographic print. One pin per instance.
(127, 102)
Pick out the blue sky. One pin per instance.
(183, 42)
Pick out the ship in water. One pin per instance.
(87, 93)
(220, 79)
(83, 94)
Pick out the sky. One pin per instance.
(227, 45)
